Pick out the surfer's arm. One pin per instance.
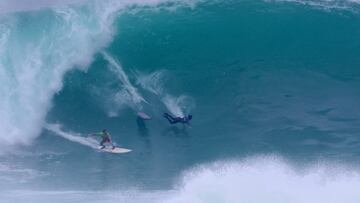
(95, 134)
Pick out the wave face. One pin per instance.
(259, 77)
(37, 49)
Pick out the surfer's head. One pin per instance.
(104, 131)
(189, 117)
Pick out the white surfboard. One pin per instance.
(143, 116)
(116, 150)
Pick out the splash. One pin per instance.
(155, 82)
(129, 94)
(267, 179)
(178, 106)
(73, 137)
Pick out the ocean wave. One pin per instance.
(35, 57)
(260, 179)
(348, 5)
(268, 179)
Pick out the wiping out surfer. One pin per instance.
(106, 138)
(174, 120)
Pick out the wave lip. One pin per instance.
(35, 59)
(10, 6)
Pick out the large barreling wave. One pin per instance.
(272, 85)
(38, 47)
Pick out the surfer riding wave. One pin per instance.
(106, 138)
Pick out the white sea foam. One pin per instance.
(73, 137)
(12, 174)
(256, 180)
(9, 6)
(268, 179)
(34, 61)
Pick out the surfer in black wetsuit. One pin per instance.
(174, 120)
(106, 138)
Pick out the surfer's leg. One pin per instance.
(107, 140)
(169, 118)
(172, 118)
(102, 143)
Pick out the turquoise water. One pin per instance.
(273, 87)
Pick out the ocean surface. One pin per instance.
(273, 87)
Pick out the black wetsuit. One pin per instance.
(105, 139)
(173, 120)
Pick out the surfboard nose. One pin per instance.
(143, 115)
